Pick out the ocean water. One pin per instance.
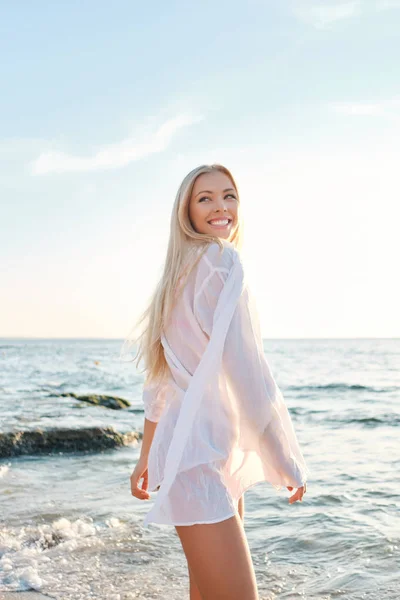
(70, 528)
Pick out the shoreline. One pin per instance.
(23, 596)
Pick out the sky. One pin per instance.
(105, 107)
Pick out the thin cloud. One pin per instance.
(387, 4)
(389, 108)
(112, 156)
(323, 14)
(348, 108)
(320, 15)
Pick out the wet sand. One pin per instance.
(22, 596)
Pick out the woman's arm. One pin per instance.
(154, 403)
(148, 435)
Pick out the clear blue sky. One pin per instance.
(106, 106)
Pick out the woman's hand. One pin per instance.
(139, 472)
(298, 495)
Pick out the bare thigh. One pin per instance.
(219, 559)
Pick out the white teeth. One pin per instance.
(221, 222)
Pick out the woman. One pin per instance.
(216, 422)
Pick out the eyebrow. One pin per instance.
(210, 192)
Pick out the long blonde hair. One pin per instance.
(185, 248)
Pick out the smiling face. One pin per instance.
(213, 205)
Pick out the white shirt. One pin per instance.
(223, 424)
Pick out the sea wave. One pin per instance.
(344, 387)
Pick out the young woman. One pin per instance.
(216, 422)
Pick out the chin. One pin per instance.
(221, 234)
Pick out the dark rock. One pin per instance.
(99, 400)
(63, 440)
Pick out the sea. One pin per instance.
(70, 528)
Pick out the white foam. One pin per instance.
(23, 551)
(114, 522)
(4, 469)
(78, 528)
(42, 558)
(30, 579)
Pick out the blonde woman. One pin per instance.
(216, 422)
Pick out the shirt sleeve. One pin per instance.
(153, 401)
(262, 408)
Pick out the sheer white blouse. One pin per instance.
(223, 424)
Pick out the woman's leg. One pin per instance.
(194, 590)
(220, 560)
(241, 507)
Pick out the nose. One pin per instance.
(220, 204)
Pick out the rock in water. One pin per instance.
(63, 440)
(100, 400)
